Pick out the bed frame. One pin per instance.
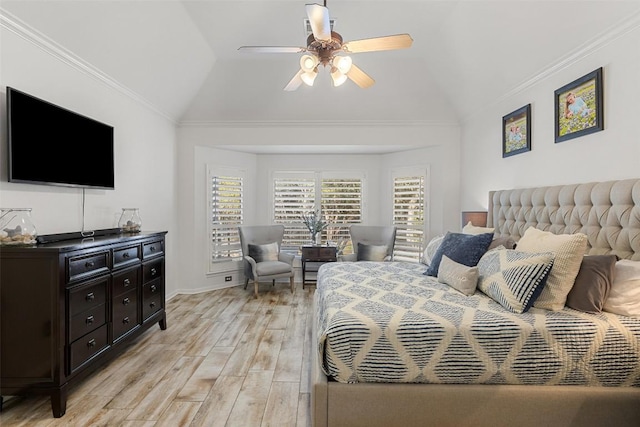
(609, 214)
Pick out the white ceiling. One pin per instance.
(182, 57)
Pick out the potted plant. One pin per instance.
(314, 223)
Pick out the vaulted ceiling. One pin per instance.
(182, 56)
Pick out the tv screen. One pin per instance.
(51, 145)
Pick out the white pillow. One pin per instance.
(431, 249)
(624, 295)
(472, 229)
(568, 250)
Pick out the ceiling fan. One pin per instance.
(326, 47)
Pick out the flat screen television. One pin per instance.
(51, 145)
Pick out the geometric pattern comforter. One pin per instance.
(387, 322)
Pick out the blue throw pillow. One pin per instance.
(462, 248)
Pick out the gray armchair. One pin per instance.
(262, 257)
(372, 236)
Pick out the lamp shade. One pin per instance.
(309, 77)
(477, 218)
(337, 77)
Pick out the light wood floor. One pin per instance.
(226, 359)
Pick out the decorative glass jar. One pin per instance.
(16, 227)
(130, 221)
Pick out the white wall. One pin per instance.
(145, 142)
(200, 145)
(607, 155)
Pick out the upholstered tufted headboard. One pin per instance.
(607, 212)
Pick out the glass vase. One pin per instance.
(130, 221)
(16, 227)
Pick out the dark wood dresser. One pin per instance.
(69, 306)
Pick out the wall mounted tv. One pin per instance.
(51, 145)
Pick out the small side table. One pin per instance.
(313, 257)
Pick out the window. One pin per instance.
(409, 214)
(225, 213)
(341, 203)
(337, 197)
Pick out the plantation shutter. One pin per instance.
(226, 216)
(409, 216)
(294, 196)
(341, 203)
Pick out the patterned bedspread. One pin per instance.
(387, 322)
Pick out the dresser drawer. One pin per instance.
(87, 321)
(86, 347)
(125, 281)
(85, 297)
(126, 256)
(81, 267)
(125, 313)
(151, 298)
(151, 271)
(152, 249)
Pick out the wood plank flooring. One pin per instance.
(226, 359)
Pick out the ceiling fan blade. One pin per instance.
(359, 77)
(272, 49)
(319, 21)
(295, 82)
(398, 41)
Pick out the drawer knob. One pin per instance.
(89, 264)
(91, 343)
(125, 320)
(89, 320)
(90, 296)
(125, 255)
(154, 271)
(152, 304)
(126, 301)
(152, 248)
(126, 282)
(153, 288)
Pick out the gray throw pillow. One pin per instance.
(460, 277)
(462, 248)
(261, 253)
(371, 252)
(593, 282)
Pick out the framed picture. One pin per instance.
(579, 107)
(516, 132)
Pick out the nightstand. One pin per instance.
(313, 257)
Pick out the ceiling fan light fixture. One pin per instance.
(343, 63)
(308, 63)
(338, 77)
(309, 76)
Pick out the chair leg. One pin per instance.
(246, 282)
(273, 282)
(255, 284)
(292, 284)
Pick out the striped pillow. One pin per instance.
(262, 253)
(514, 279)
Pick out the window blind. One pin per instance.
(409, 216)
(341, 203)
(293, 196)
(226, 216)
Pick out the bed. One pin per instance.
(570, 368)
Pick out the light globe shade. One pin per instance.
(308, 63)
(343, 63)
(338, 77)
(309, 77)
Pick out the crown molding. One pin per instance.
(20, 28)
(613, 33)
(314, 123)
